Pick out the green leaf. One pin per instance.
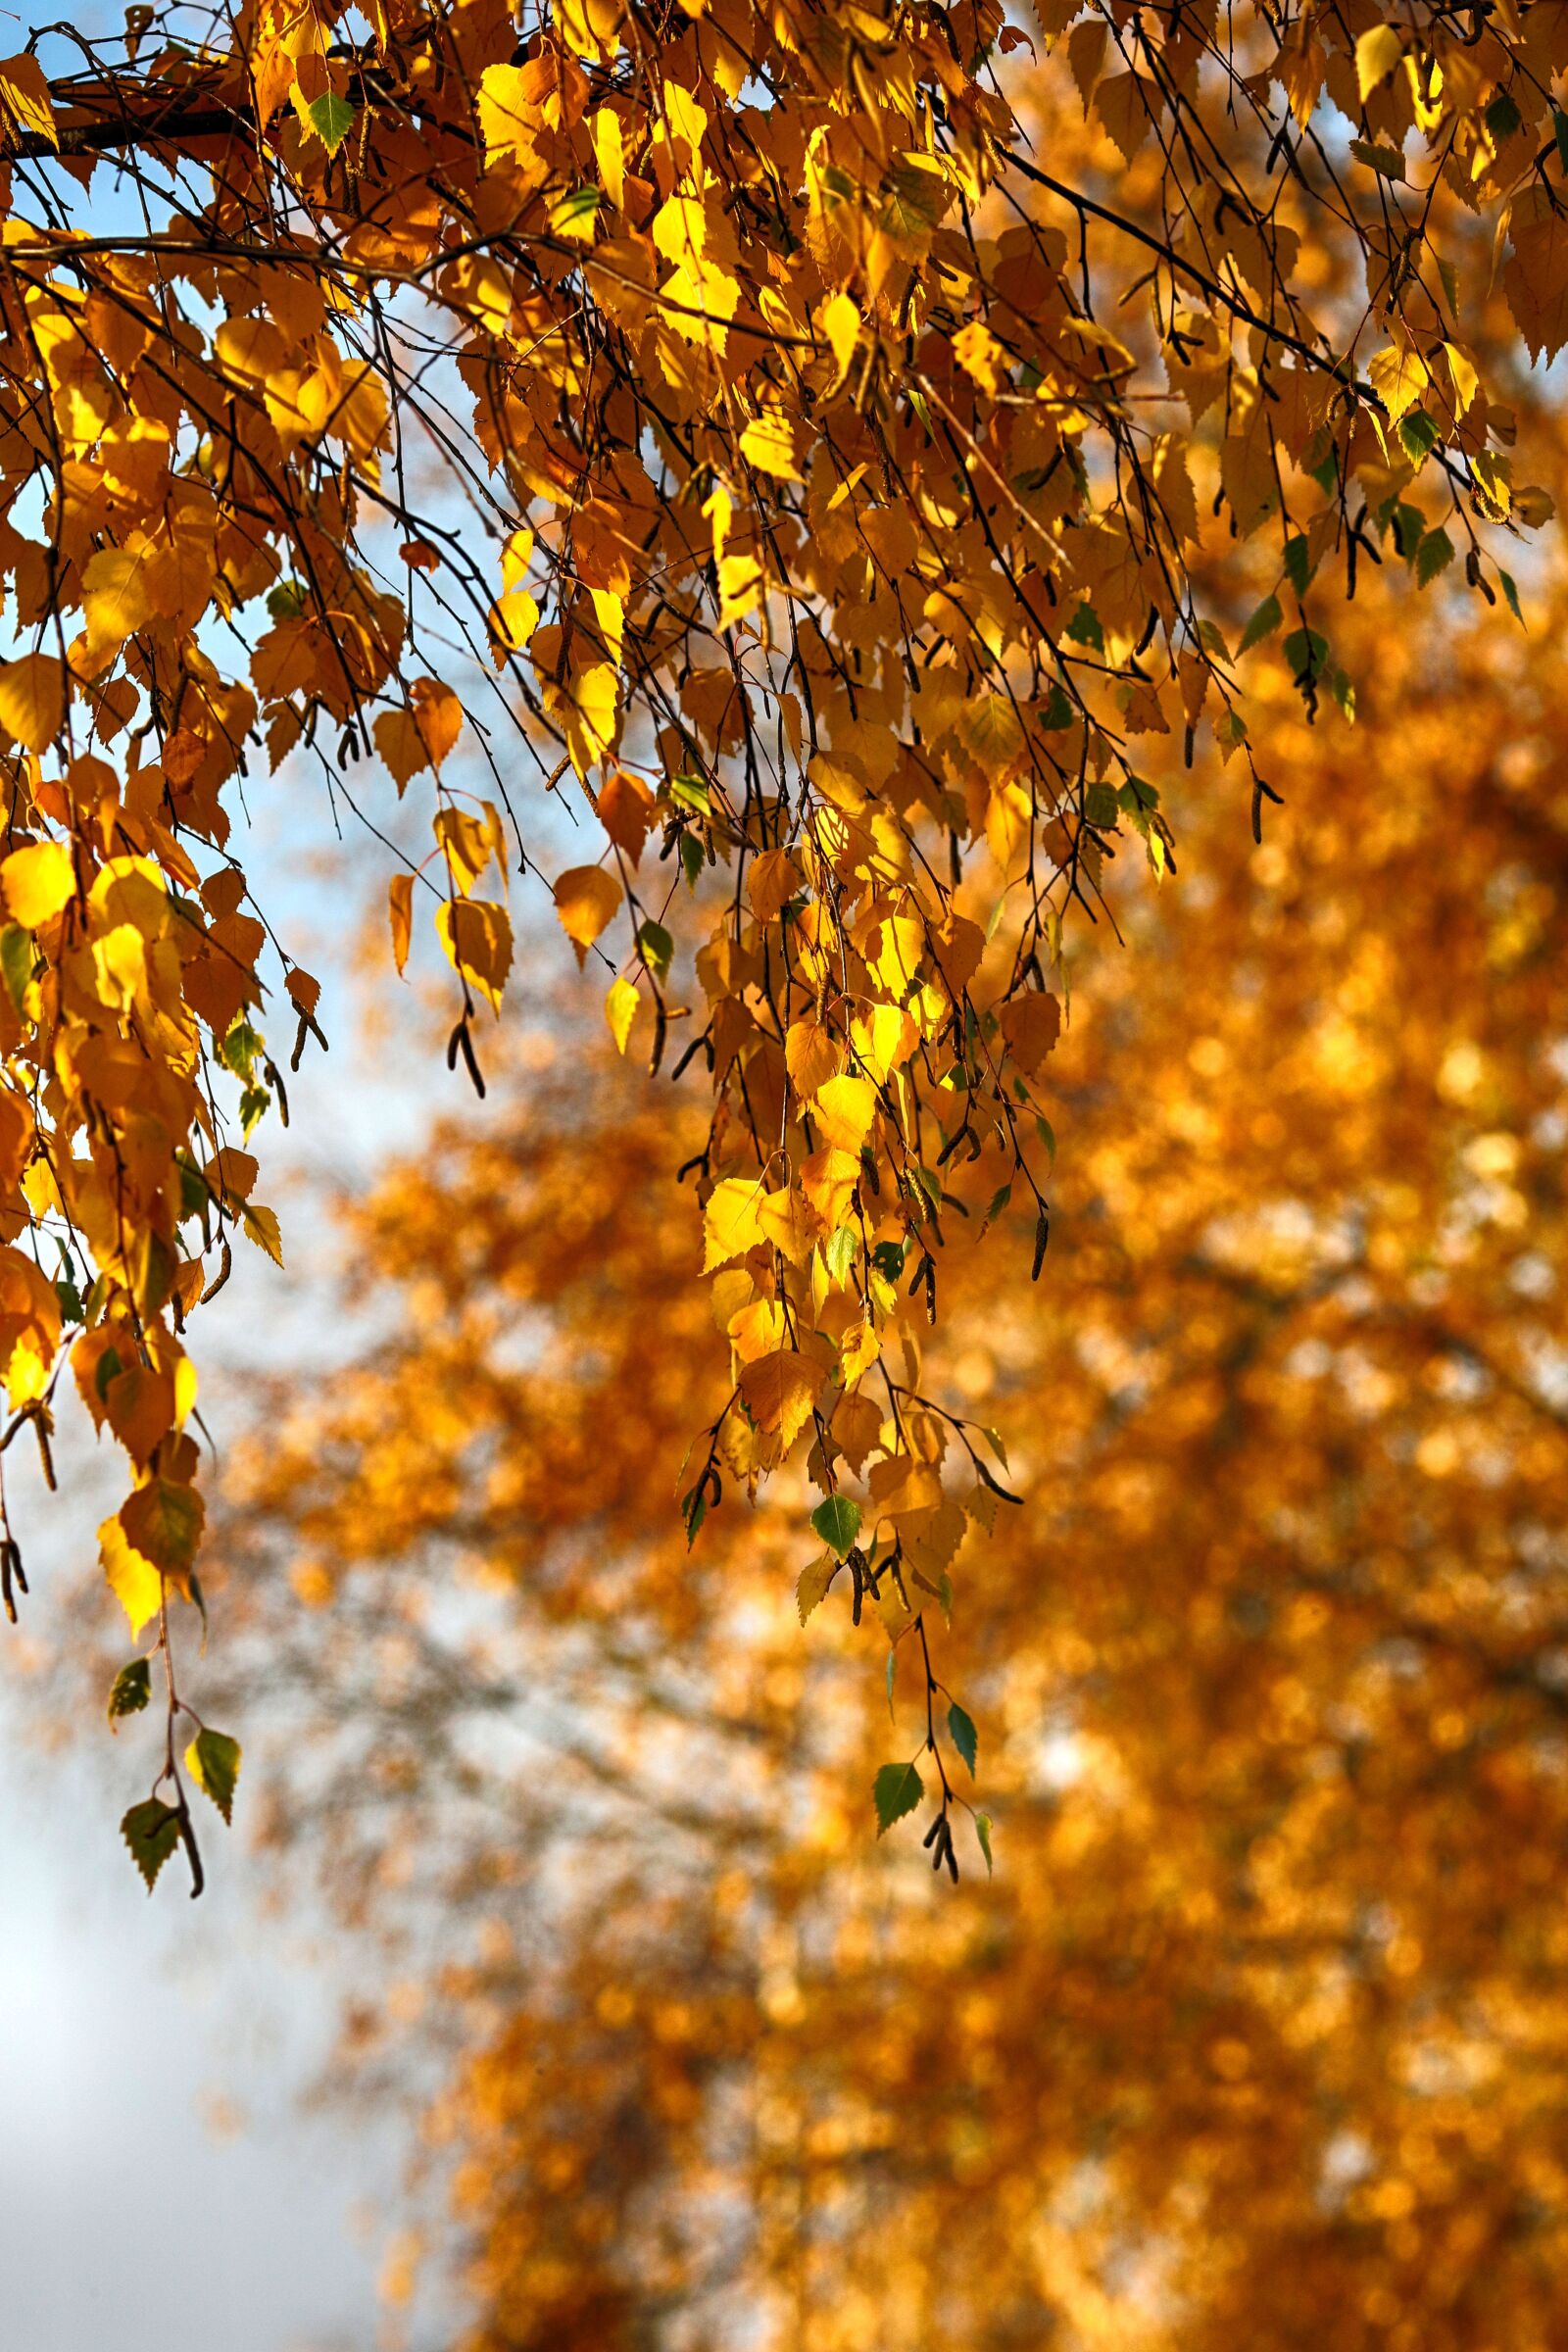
(239, 1048)
(1298, 562)
(657, 949)
(331, 118)
(1306, 653)
(893, 1676)
(840, 1252)
(287, 600)
(837, 1520)
(575, 214)
(994, 1439)
(965, 1739)
(1503, 118)
(1435, 554)
(691, 859)
(151, 1831)
(1418, 436)
(1508, 589)
(1101, 807)
(898, 1790)
(1263, 623)
(998, 1201)
(982, 1829)
(213, 1761)
(16, 959)
(1409, 529)
(254, 1105)
(130, 1689)
(690, 791)
(1085, 628)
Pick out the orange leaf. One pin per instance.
(586, 900)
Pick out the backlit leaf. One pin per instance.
(213, 1760)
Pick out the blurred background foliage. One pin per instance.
(1259, 2033)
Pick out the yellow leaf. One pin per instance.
(116, 596)
(262, 1227)
(788, 1224)
(476, 934)
(769, 444)
(980, 356)
(773, 880)
(586, 900)
(680, 228)
(591, 27)
(400, 908)
(894, 952)
(508, 118)
(438, 715)
(25, 94)
(812, 1056)
(32, 698)
(741, 582)
(401, 745)
(733, 1220)
(621, 1008)
(840, 321)
(843, 1110)
(467, 841)
(1399, 377)
(883, 1038)
(610, 154)
(810, 1590)
(135, 1582)
(1377, 53)
(590, 715)
(38, 881)
(828, 1180)
(516, 558)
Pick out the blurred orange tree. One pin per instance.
(795, 430)
(1259, 2035)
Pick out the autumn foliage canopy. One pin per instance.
(799, 447)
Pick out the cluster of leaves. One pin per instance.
(1257, 2035)
(733, 384)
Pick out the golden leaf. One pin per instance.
(38, 882)
(32, 698)
(587, 899)
(779, 1392)
(733, 1220)
(400, 910)
(621, 1008)
(476, 934)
